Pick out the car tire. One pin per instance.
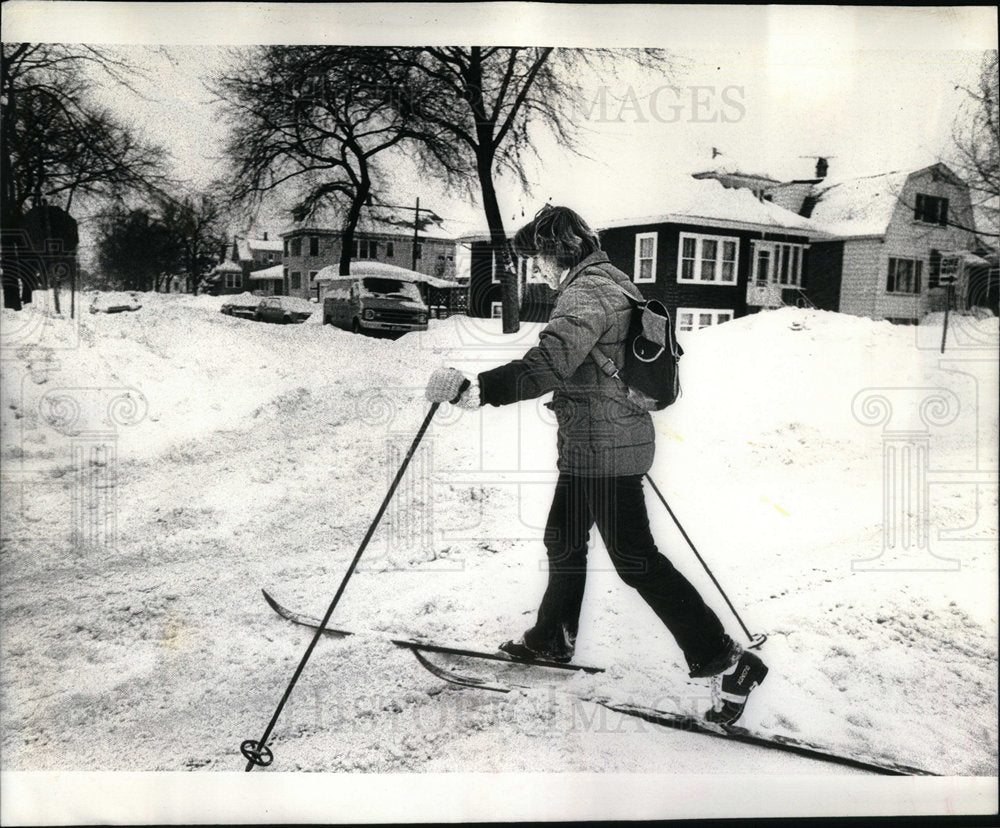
(286, 319)
(356, 327)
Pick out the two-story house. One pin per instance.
(308, 249)
(247, 265)
(710, 252)
(900, 239)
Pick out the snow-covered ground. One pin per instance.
(161, 466)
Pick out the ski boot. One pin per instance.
(521, 651)
(732, 687)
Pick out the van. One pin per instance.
(375, 301)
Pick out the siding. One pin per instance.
(866, 261)
(619, 243)
(330, 248)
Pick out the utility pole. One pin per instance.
(416, 233)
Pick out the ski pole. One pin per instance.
(755, 640)
(258, 753)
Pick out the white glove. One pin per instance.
(446, 385)
(470, 397)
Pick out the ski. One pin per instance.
(693, 724)
(424, 646)
(663, 718)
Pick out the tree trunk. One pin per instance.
(353, 214)
(500, 249)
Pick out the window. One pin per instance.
(904, 276)
(270, 258)
(296, 246)
(312, 276)
(707, 258)
(296, 280)
(314, 245)
(390, 250)
(645, 257)
(776, 263)
(932, 209)
(419, 250)
(234, 280)
(496, 310)
(694, 319)
(365, 249)
(286, 247)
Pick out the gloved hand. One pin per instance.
(470, 397)
(446, 385)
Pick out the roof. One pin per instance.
(729, 167)
(227, 267)
(686, 200)
(398, 223)
(275, 272)
(859, 206)
(363, 268)
(246, 247)
(863, 206)
(706, 201)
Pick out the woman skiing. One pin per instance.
(605, 446)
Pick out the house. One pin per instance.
(900, 239)
(224, 279)
(384, 238)
(714, 253)
(709, 252)
(242, 258)
(268, 281)
(535, 298)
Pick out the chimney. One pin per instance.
(822, 165)
(265, 235)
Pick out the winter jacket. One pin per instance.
(600, 432)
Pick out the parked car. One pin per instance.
(282, 309)
(376, 297)
(245, 308)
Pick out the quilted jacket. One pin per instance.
(600, 432)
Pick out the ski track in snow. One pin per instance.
(263, 455)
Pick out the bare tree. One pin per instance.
(977, 146)
(56, 142)
(492, 101)
(196, 229)
(317, 118)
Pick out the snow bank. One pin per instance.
(256, 455)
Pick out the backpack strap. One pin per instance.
(604, 362)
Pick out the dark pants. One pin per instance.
(618, 506)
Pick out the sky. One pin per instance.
(873, 89)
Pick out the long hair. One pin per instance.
(558, 232)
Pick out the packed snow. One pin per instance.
(236, 455)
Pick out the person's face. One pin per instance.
(547, 268)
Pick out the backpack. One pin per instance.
(651, 371)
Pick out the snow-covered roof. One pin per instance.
(227, 267)
(858, 206)
(384, 270)
(686, 200)
(726, 166)
(706, 201)
(245, 247)
(275, 272)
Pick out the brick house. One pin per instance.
(308, 249)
